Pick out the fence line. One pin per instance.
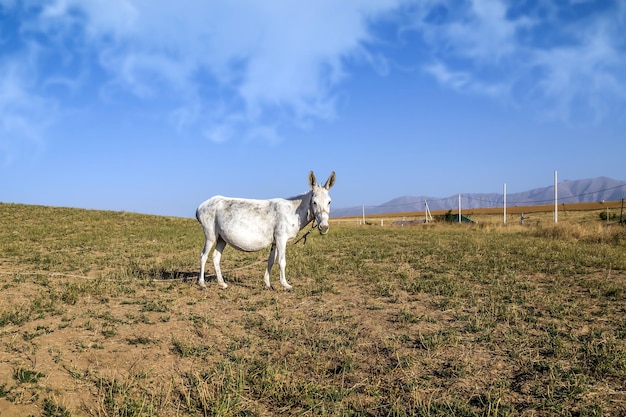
(489, 203)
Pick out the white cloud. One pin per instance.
(226, 69)
(483, 33)
(115, 17)
(24, 116)
(465, 81)
(555, 63)
(279, 58)
(586, 77)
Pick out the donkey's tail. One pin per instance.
(205, 211)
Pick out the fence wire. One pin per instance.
(487, 203)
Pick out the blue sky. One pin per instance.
(153, 107)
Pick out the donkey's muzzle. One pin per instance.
(323, 229)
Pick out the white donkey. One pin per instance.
(251, 225)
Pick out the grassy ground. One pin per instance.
(99, 316)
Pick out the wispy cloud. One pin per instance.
(567, 59)
(252, 59)
(585, 80)
(24, 115)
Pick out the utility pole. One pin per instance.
(556, 196)
(429, 216)
(364, 214)
(505, 203)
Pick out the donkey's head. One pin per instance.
(320, 201)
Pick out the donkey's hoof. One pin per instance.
(222, 285)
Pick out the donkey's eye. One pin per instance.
(315, 203)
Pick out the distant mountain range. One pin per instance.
(579, 191)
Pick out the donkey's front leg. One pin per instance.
(282, 262)
(270, 263)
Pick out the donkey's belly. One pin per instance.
(247, 237)
(247, 244)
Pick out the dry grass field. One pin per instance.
(536, 215)
(100, 316)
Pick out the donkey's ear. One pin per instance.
(312, 180)
(330, 181)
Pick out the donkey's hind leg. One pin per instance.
(217, 256)
(270, 263)
(203, 258)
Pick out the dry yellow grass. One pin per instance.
(471, 320)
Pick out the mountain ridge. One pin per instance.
(569, 191)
